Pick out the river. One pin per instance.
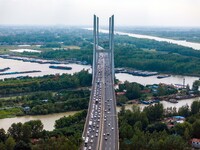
(16, 65)
(193, 45)
(174, 79)
(165, 104)
(47, 120)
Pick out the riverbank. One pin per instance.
(47, 120)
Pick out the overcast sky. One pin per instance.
(80, 12)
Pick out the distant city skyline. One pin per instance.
(80, 12)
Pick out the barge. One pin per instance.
(60, 67)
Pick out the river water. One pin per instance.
(49, 120)
(17, 65)
(174, 79)
(165, 104)
(193, 45)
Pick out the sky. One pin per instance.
(80, 12)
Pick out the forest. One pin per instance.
(142, 54)
(138, 130)
(44, 95)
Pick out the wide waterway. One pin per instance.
(16, 65)
(49, 120)
(193, 45)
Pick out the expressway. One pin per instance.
(101, 128)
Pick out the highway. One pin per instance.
(101, 127)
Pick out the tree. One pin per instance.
(196, 128)
(133, 90)
(16, 131)
(20, 131)
(174, 142)
(184, 111)
(3, 135)
(181, 128)
(10, 143)
(154, 112)
(195, 107)
(161, 90)
(36, 127)
(21, 145)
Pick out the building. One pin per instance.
(195, 143)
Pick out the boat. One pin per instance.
(4, 69)
(22, 72)
(163, 76)
(146, 102)
(156, 101)
(60, 67)
(173, 101)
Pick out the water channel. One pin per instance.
(49, 120)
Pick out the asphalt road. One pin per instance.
(101, 128)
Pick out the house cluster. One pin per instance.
(172, 121)
(195, 143)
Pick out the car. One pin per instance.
(112, 128)
(89, 147)
(106, 138)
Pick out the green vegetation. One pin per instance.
(143, 54)
(137, 91)
(11, 112)
(187, 34)
(140, 130)
(45, 83)
(31, 135)
(44, 95)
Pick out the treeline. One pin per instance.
(41, 35)
(133, 57)
(145, 129)
(41, 103)
(45, 83)
(158, 46)
(187, 34)
(135, 90)
(143, 54)
(81, 55)
(32, 136)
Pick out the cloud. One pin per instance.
(80, 12)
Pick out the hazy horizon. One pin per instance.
(130, 13)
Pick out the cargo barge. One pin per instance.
(22, 72)
(4, 69)
(163, 76)
(60, 67)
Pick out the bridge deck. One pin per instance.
(101, 127)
